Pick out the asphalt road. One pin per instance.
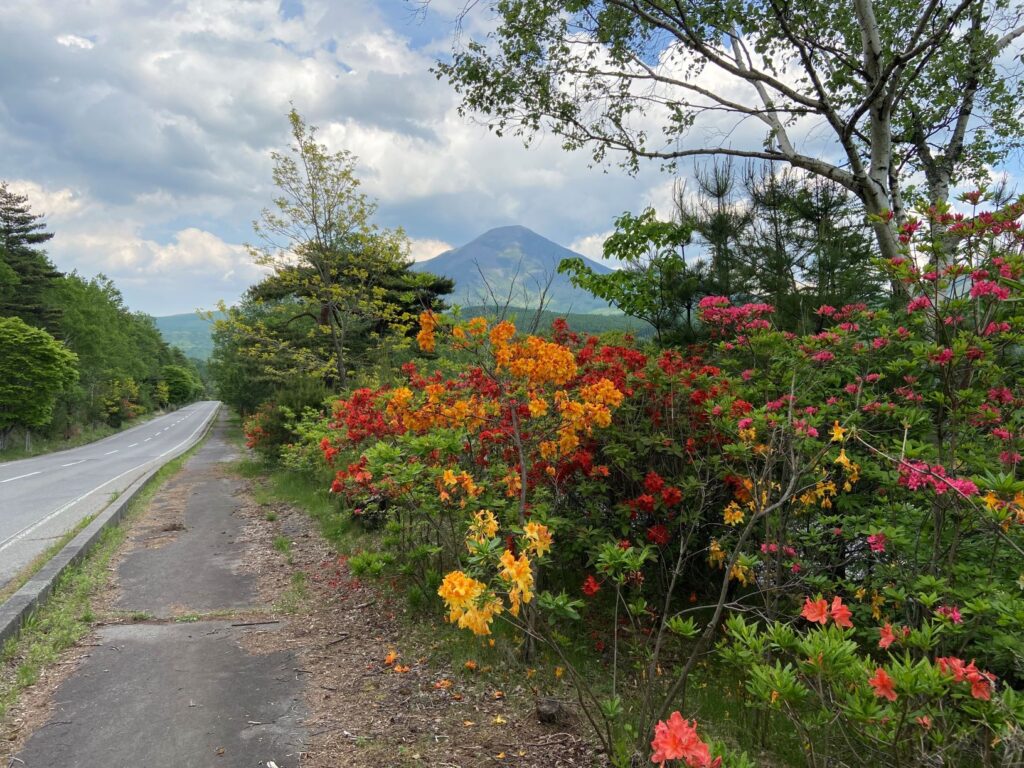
(43, 497)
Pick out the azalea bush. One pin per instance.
(836, 520)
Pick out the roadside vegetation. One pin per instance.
(75, 363)
(764, 534)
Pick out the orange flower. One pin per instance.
(391, 658)
(815, 611)
(883, 685)
(425, 337)
(470, 665)
(676, 739)
(400, 669)
(841, 614)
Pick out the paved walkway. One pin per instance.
(160, 694)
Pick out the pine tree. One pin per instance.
(26, 273)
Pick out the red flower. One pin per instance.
(887, 637)
(671, 496)
(645, 502)
(677, 739)
(653, 483)
(590, 586)
(882, 684)
(841, 614)
(658, 534)
(815, 611)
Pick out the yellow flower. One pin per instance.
(449, 478)
(539, 537)
(459, 592)
(838, 433)
(537, 407)
(877, 601)
(748, 435)
(478, 619)
(716, 555)
(733, 514)
(484, 526)
(742, 574)
(518, 572)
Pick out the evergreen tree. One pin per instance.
(26, 273)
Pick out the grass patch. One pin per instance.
(42, 559)
(310, 495)
(293, 600)
(68, 614)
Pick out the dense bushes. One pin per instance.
(836, 519)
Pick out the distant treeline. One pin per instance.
(72, 355)
(580, 323)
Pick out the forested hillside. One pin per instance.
(73, 358)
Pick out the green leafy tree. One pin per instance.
(183, 385)
(655, 283)
(34, 369)
(895, 87)
(332, 266)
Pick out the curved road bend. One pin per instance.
(43, 497)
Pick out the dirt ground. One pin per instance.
(362, 711)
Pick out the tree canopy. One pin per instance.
(340, 286)
(888, 88)
(34, 369)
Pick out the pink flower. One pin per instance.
(877, 542)
(919, 303)
(824, 356)
(950, 612)
(943, 357)
(964, 486)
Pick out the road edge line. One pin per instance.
(34, 592)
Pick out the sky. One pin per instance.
(143, 129)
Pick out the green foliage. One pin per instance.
(183, 385)
(34, 369)
(897, 87)
(26, 274)
(655, 285)
(340, 285)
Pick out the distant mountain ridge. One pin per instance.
(514, 264)
(515, 261)
(189, 332)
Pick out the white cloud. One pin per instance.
(75, 41)
(591, 246)
(427, 248)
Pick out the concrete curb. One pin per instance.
(34, 593)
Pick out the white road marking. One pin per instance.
(108, 453)
(147, 439)
(133, 445)
(34, 526)
(12, 479)
(74, 462)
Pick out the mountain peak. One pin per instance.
(513, 262)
